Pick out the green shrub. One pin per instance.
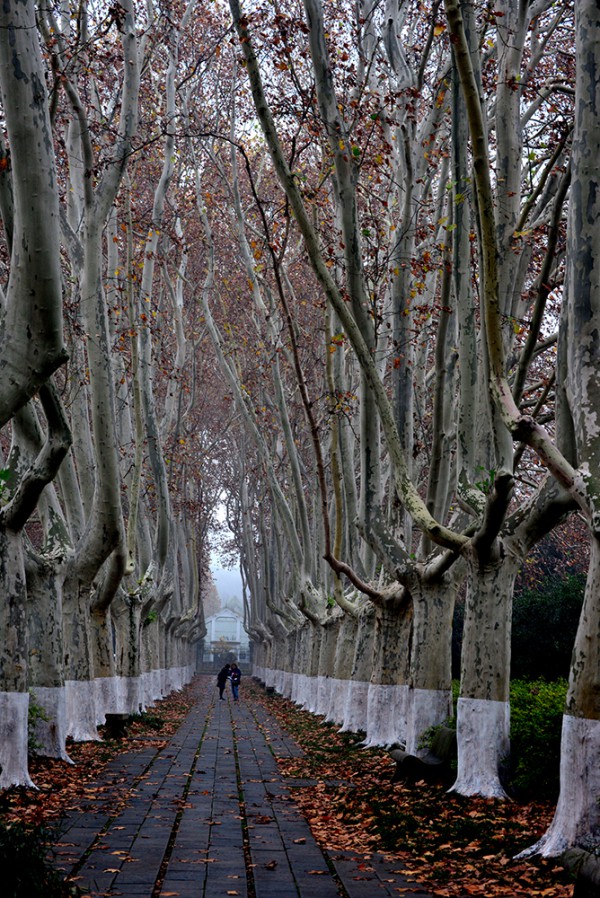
(536, 719)
(25, 870)
(536, 711)
(544, 626)
(544, 623)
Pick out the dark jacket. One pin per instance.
(223, 674)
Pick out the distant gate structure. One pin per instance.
(225, 640)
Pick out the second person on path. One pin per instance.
(236, 676)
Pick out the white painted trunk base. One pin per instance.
(81, 710)
(164, 682)
(306, 686)
(51, 734)
(106, 697)
(294, 688)
(337, 700)
(118, 695)
(176, 679)
(355, 711)
(577, 817)
(482, 732)
(14, 709)
(132, 694)
(386, 715)
(426, 708)
(147, 697)
(269, 677)
(312, 698)
(279, 677)
(286, 684)
(151, 681)
(322, 700)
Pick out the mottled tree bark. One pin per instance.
(577, 817)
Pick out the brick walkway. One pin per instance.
(211, 816)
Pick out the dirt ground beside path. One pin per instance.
(453, 846)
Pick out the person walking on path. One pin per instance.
(236, 676)
(222, 678)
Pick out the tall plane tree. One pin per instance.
(31, 348)
(577, 817)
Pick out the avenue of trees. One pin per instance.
(330, 269)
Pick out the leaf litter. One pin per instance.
(451, 845)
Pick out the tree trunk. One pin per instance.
(126, 615)
(329, 638)
(288, 664)
(103, 660)
(357, 695)
(483, 714)
(14, 697)
(79, 674)
(316, 638)
(151, 677)
(430, 697)
(388, 689)
(46, 659)
(342, 669)
(303, 655)
(32, 318)
(577, 817)
(31, 336)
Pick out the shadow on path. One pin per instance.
(210, 815)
